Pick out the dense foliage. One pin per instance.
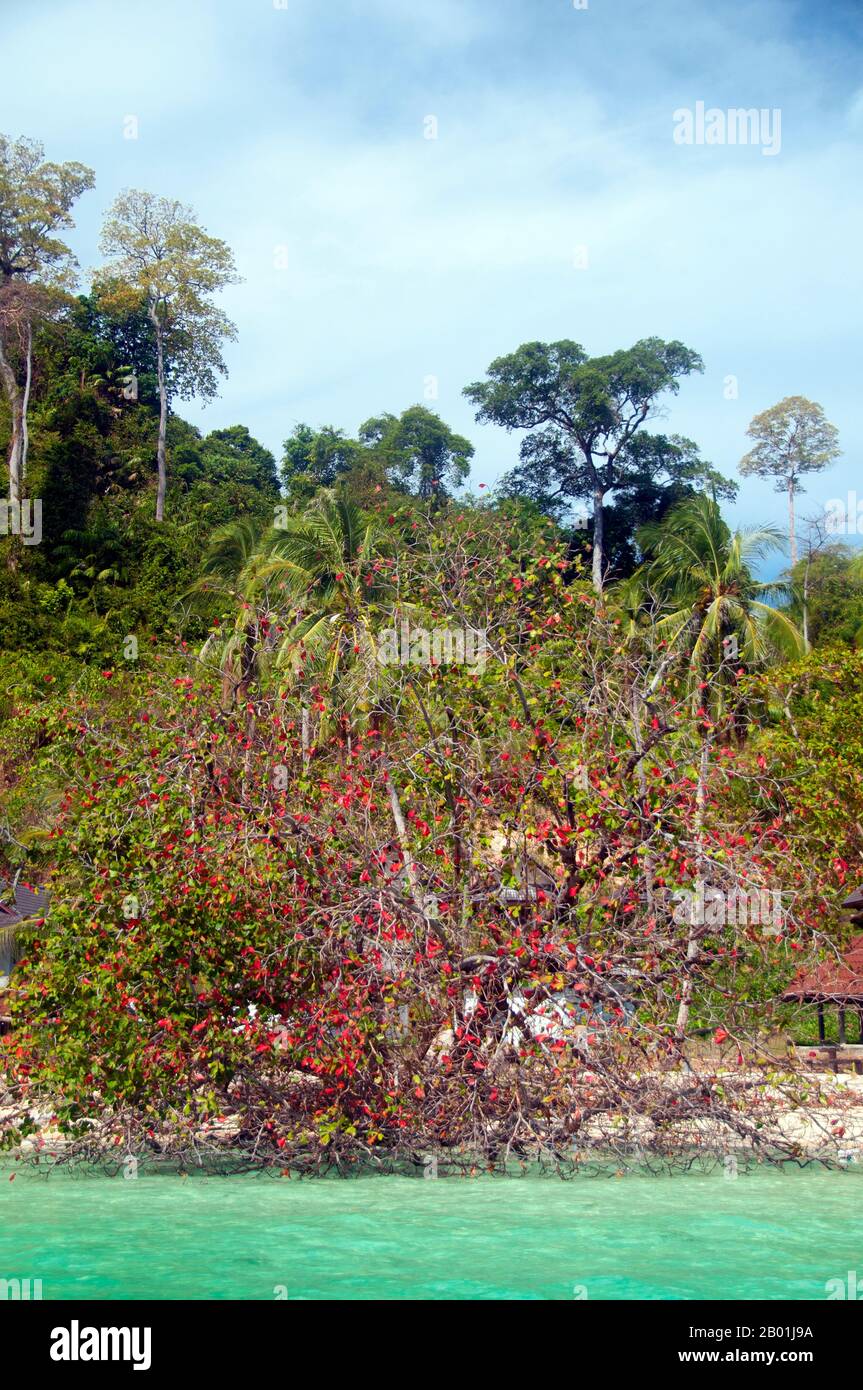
(378, 818)
(449, 920)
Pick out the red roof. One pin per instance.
(837, 981)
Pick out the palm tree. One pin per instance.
(232, 569)
(306, 597)
(713, 614)
(330, 562)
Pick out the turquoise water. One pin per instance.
(767, 1234)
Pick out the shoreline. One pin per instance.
(828, 1132)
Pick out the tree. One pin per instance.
(420, 453)
(234, 452)
(712, 609)
(163, 258)
(661, 472)
(109, 337)
(828, 591)
(231, 569)
(36, 198)
(583, 413)
(267, 964)
(792, 438)
(328, 561)
(304, 595)
(316, 458)
(713, 617)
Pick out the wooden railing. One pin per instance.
(831, 1056)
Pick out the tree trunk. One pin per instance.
(163, 416)
(25, 405)
(792, 532)
(413, 879)
(404, 843)
(806, 646)
(248, 680)
(696, 929)
(13, 395)
(638, 741)
(598, 538)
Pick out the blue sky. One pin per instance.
(408, 258)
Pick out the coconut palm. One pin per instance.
(630, 603)
(713, 613)
(232, 570)
(713, 617)
(306, 598)
(332, 563)
(329, 562)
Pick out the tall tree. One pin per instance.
(161, 256)
(420, 453)
(661, 472)
(712, 611)
(582, 413)
(36, 198)
(712, 615)
(791, 438)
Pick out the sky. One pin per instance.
(415, 187)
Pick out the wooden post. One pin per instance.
(842, 1026)
(821, 1033)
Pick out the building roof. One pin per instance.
(29, 902)
(833, 982)
(854, 905)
